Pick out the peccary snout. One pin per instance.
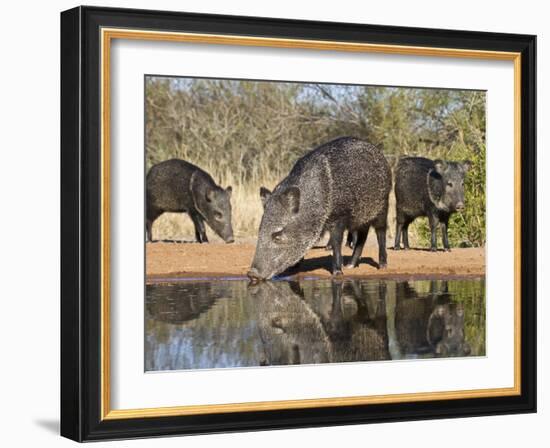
(215, 208)
(254, 275)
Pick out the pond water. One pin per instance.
(216, 323)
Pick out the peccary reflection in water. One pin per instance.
(179, 303)
(430, 324)
(355, 321)
(219, 323)
(289, 330)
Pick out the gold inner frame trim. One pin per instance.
(107, 35)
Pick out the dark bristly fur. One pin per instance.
(341, 185)
(180, 187)
(424, 187)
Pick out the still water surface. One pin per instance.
(230, 323)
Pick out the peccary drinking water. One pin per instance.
(181, 187)
(428, 188)
(343, 184)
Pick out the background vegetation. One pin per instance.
(248, 134)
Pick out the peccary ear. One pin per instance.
(229, 190)
(466, 165)
(290, 198)
(209, 194)
(264, 195)
(439, 166)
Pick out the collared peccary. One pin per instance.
(181, 187)
(424, 187)
(343, 184)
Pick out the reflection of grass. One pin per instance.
(472, 295)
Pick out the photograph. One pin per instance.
(292, 223)
(274, 223)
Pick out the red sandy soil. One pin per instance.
(169, 261)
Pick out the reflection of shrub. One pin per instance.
(472, 295)
(247, 134)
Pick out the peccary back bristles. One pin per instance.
(432, 188)
(178, 186)
(341, 185)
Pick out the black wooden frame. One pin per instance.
(81, 225)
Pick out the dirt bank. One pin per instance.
(173, 260)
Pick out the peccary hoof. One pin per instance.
(382, 265)
(395, 248)
(447, 249)
(350, 266)
(338, 273)
(433, 249)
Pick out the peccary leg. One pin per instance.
(149, 230)
(406, 234)
(200, 231)
(360, 239)
(152, 215)
(400, 221)
(398, 227)
(329, 242)
(434, 221)
(351, 239)
(444, 233)
(336, 309)
(382, 255)
(336, 237)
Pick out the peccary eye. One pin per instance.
(450, 184)
(209, 195)
(278, 237)
(218, 216)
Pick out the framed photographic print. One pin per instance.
(272, 223)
